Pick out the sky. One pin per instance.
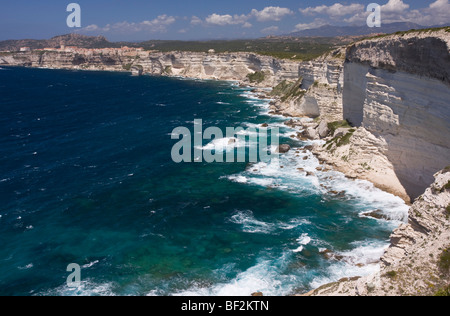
(138, 20)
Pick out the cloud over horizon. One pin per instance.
(436, 13)
(272, 20)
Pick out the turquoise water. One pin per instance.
(86, 177)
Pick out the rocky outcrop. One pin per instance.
(360, 155)
(417, 262)
(322, 85)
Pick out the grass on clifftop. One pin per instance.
(421, 31)
(282, 48)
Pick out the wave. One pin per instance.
(266, 277)
(224, 144)
(303, 240)
(86, 288)
(363, 260)
(300, 173)
(250, 224)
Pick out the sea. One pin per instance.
(87, 178)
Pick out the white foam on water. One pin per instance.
(90, 264)
(297, 172)
(303, 240)
(250, 224)
(363, 260)
(86, 288)
(265, 277)
(366, 194)
(28, 266)
(224, 144)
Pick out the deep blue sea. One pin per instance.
(86, 177)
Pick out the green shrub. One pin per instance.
(289, 90)
(391, 274)
(168, 70)
(127, 67)
(257, 77)
(333, 126)
(444, 261)
(446, 187)
(345, 140)
(443, 292)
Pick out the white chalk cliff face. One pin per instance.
(398, 89)
(229, 66)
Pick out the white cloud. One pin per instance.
(195, 20)
(438, 12)
(265, 15)
(91, 28)
(335, 10)
(306, 26)
(394, 6)
(270, 30)
(157, 25)
(226, 19)
(271, 14)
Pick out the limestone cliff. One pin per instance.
(396, 90)
(227, 66)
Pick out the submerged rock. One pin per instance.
(377, 214)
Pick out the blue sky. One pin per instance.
(199, 19)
